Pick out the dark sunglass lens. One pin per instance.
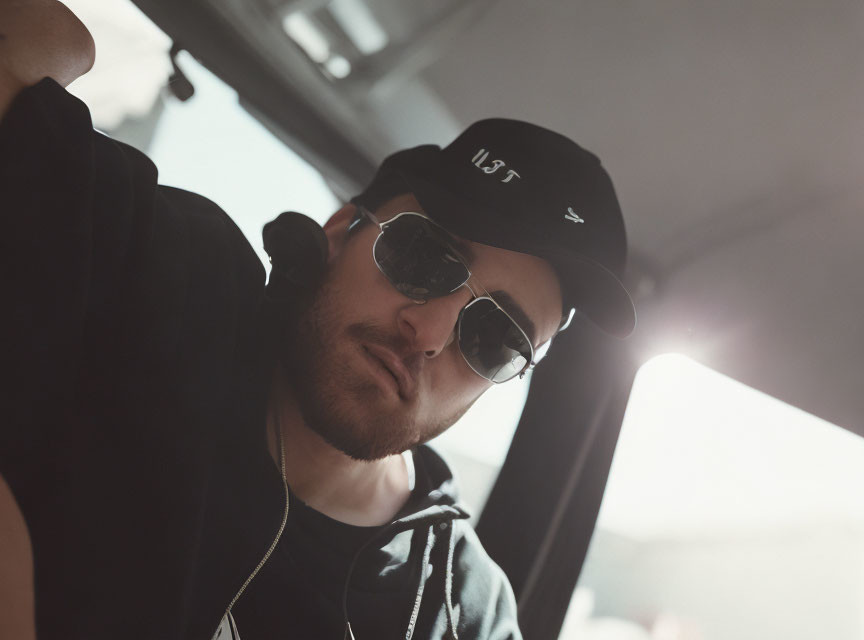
(491, 343)
(415, 257)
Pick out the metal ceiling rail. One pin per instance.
(200, 29)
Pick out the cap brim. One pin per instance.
(596, 292)
(586, 285)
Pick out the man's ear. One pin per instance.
(336, 228)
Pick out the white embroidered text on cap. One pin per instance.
(572, 216)
(480, 157)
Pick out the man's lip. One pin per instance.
(393, 363)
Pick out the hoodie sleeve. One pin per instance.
(110, 282)
(130, 330)
(72, 203)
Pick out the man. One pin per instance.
(189, 455)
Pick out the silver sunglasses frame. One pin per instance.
(537, 353)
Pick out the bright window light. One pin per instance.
(360, 25)
(727, 514)
(304, 32)
(695, 444)
(212, 146)
(338, 67)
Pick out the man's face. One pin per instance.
(374, 372)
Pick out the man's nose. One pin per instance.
(431, 326)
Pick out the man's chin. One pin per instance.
(366, 426)
(360, 446)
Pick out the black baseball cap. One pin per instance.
(517, 186)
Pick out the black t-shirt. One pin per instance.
(299, 591)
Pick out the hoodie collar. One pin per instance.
(433, 515)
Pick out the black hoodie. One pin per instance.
(410, 578)
(133, 430)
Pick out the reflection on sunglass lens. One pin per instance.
(416, 258)
(493, 346)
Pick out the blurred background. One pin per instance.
(734, 506)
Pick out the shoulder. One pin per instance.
(88, 209)
(475, 565)
(480, 586)
(215, 237)
(470, 557)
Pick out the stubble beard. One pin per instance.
(349, 411)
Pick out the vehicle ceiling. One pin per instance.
(732, 132)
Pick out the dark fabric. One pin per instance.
(129, 320)
(134, 422)
(299, 591)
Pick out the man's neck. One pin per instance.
(356, 492)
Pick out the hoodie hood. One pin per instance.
(431, 516)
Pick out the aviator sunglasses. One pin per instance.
(417, 256)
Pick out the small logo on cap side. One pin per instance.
(572, 216)
(480, 157)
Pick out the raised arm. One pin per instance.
(17, 617)
(40, 38)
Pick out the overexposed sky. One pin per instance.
(212, 146)
(132, 63)
(209, 144)
(702, 454)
